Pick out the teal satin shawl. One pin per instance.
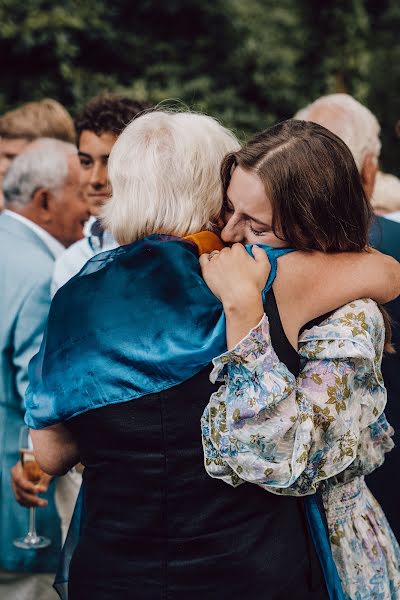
(136, 320)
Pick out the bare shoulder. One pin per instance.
(315, 266)
(310, 284)
(300, 274)
(365, 305)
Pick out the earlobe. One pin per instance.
(368, 174)
(40, 200)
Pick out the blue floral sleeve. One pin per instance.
(267, 427)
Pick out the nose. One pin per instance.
(4, 164)
(232, 232)
(98, 176)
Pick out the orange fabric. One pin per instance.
(206, 241)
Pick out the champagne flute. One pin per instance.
(34, 473)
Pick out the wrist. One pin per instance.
(241, 319)
(247, 300)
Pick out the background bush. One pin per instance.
(248, 62)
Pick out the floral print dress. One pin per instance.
(326, 429)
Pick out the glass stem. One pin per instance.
(32, 523)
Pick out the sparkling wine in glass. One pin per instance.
(34, 473)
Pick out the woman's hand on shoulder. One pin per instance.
(234, 276)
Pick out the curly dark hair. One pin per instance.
(108, 113)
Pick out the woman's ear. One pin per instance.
(368, 174)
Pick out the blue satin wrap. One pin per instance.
(136, 320)
(317, 523)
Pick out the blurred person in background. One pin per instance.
(386, 196)
(355, 125)
(359, 129)
(33, 120)
(98, 127)
(44, 213)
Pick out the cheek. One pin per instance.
(270, 239)
(84, 177)
(4, 164)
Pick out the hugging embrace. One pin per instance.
(225, 410)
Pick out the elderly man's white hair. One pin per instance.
(44, 164)
(348, 119)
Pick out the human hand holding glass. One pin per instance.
(34, 474)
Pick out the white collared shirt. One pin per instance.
(55, 247)
(76, 256)
(393, 216)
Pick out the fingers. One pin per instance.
(204, 260)
(259, 254)
(44, 483)
(236, 251)
(28, 500)
(20, 480)
(24, 490)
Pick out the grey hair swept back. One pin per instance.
(44, 164)
(350, 120)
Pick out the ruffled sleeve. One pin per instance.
(286, 434)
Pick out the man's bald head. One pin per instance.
(355, 125)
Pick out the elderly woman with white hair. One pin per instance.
(121, 382)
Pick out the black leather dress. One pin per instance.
(158, 527)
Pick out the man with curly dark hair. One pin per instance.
(98, 126)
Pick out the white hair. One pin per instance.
(386, 196)
(348, 119)
(44, 164)
(164, 171)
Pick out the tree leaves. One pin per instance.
(248, 63)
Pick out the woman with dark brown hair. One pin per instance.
(296, 186)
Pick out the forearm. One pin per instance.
(55, 449)
(241, 317)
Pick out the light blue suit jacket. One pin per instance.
(26, 266)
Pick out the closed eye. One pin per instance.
(255, 232)
(265, 229)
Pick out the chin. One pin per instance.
(95, 208)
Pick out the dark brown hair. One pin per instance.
(313, 184)
(108, 113)
(312, 181)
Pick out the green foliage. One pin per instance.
(337, 56)
(249, 63)
(384, 80)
